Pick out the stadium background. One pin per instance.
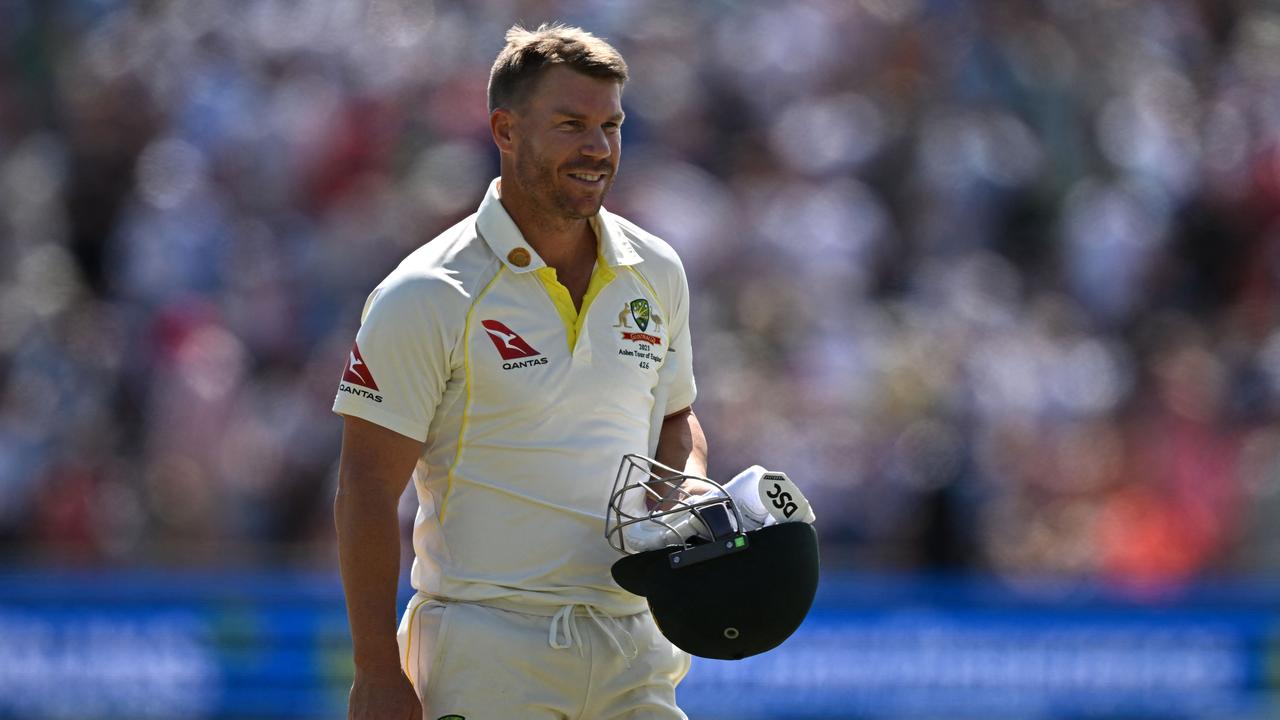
(998, 283)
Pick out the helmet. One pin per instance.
(721, 583)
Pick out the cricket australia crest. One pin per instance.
(643, 316)
(640, 313)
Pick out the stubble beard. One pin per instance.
(540, 182)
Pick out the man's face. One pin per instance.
(570, 142)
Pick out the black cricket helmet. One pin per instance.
(716, 587)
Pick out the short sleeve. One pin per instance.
(679, 386)
(399, 365)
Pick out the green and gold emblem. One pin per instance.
(640, 313)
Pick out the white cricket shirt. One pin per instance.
(525, 405)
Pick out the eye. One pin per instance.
(612, 127)
(570, 125)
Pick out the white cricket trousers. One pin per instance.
(479, 662)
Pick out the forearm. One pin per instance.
(369, 561)
(681, 443)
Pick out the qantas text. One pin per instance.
(524, 363)
(359, 392)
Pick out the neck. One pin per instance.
(557, 240)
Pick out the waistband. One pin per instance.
(562, 632)
(580, 609)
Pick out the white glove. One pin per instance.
(764, 498)
(651, 534)
(767, 498)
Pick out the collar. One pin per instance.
(505, 240)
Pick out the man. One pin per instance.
(508, 365)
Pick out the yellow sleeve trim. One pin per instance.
(656, 297)
(466, 407)
(408, 645)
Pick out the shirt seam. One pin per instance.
(443, 411)
(656, 297)
(466, 408)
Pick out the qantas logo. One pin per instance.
(357, 373)
(511, 346)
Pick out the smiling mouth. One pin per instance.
(588, 178)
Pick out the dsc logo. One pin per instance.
(782, 500)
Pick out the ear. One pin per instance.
(502, 124)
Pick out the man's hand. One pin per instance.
(383, 697)
(671, 498)
(372, 473)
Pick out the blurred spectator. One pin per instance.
(997, 283)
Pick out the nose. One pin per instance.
(595, 145)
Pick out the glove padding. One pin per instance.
(767, 498)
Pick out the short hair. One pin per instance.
(528, 53)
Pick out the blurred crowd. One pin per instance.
(997, 283)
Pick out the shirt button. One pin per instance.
(519, 257)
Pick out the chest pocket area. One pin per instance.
(640, 335)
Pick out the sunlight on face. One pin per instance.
(570, 142)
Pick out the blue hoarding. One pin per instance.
(275, 645)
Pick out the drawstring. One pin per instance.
(562, 621)
(614, 638)
(562, 624)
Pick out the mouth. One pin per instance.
(588, 179)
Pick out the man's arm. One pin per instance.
(682, 445)
(375, 466)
